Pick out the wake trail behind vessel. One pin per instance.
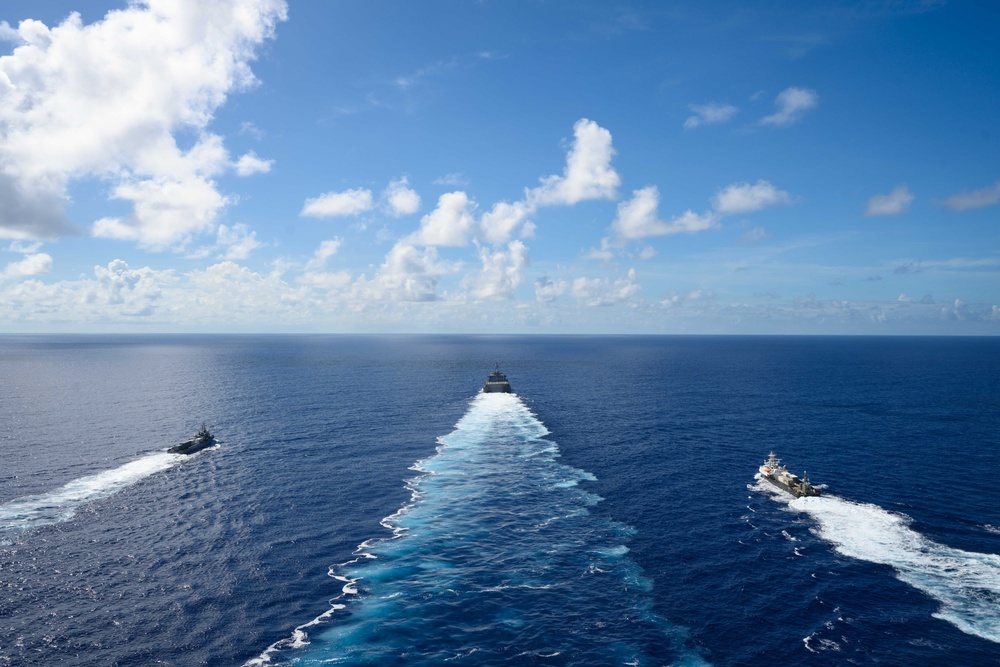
(965, 583)
(62, 504)
(497, 558)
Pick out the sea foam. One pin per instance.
(965, 583)
(496, 557)
(62, 504)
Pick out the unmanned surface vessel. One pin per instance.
(496, 382)
(199, 441)
(778, 475)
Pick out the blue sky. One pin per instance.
(515, 166)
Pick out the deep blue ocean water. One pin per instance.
(366, 506)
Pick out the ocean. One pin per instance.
(366, 505)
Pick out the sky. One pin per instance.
(500, 166)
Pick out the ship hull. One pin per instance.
(191, 446)
(496, 388)
(798, 493)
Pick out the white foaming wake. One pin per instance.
(61, 504)
(478, 419)
(967, 584)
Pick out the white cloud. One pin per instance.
(338, 204)
(503, 271)
(107, 99)
(637, 217)
(792, 103)
(327, 281)
(745, 198)
(325, 251)
(604, 254)
(546, 289)
(588, 173)
(23, 247)
(328, 248)
(500, 223)
(708, 114)
(963, 201)
(400, 198)
(32, 265)
(407, 274)
(894, 203)
(166, 212)
(601, 292)
(450, 224)
(8, 34)
(131, 292)
(236, 242)
(249, 164)
(240, 295)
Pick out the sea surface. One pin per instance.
(366, 505)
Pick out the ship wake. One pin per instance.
(496, 557)
(966, 584)
(62, 504)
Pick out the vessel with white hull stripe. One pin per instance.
(778, 475)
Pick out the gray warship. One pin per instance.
(496, 383)
(199, 441)
(778, 475)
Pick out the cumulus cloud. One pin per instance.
(327, 281)
(894, 203)
(450, 224)
(408, 274)
(132, 292)
(249, 164)
(709, 114)
(792, 103)
(106, 100)
(602, 292)
(242, 295)
(31, 210)
(236, 242)
(501, 222)
(588, 173)
(166, 212)
(605, 253)
(546, 289)
(637, 218)
(32, 265)
(745, 198)
(338, 204)
(400, 198)
(328, 249)
(503, 271)
(981, 198)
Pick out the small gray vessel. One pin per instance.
(496, 383)
(199, 441)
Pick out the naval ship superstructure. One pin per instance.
(496, 383)
(199, 441)
(778, 475)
